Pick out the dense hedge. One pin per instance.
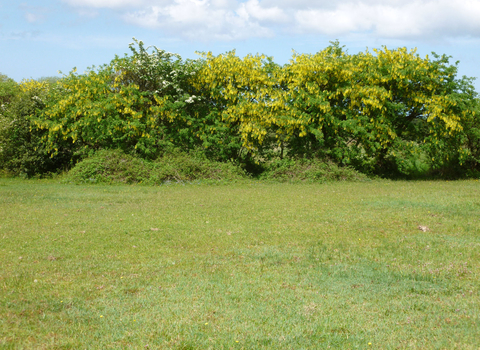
(389, 112)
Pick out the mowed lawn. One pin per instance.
(367, 265)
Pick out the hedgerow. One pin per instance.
(386, 112)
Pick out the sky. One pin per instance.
(39, 38)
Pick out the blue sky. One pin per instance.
(39, 38)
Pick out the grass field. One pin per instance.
(241, 266)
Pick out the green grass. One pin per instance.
(243, 266)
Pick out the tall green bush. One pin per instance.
(8, 90)
(143, 103)
(22, 150)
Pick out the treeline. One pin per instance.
(389, 113)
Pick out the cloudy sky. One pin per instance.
(41, 37)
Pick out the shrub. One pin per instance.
(365, 110)
(8, 90)
(309, 170)
(114, 166)
(181, 166)
(140, 103)
(110, 166)
(22, 150)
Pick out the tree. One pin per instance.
(143, 103)
(8, 89)
(22, 150)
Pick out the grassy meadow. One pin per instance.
(248, 265)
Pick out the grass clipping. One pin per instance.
(114, 166)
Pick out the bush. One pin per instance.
(360, 110)
(141, 104)
(309, 170)
(8, 90)
(22, 150)
(110, 166)
(114, 166)
(472, 142)
(181, 166)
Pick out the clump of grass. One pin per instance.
(114, 166)
(309, 170)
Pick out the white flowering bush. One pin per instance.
(157, 72)
(143, 103)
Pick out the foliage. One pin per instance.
(107, 166)
(114, 166)
(380, 113)
(141, 103)
(182, 166)
(471, 127)
(21, 148)
(390, 113)
(8, 89)
(308, 170)
(240, 91)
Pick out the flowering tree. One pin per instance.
(387, 111)
(144, 102)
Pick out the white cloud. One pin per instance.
(272, 14)
(106, 3)
(33, 14)
(235, 20)
(331, 22)
(206, 20)
(393, 19)
(34, 17)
